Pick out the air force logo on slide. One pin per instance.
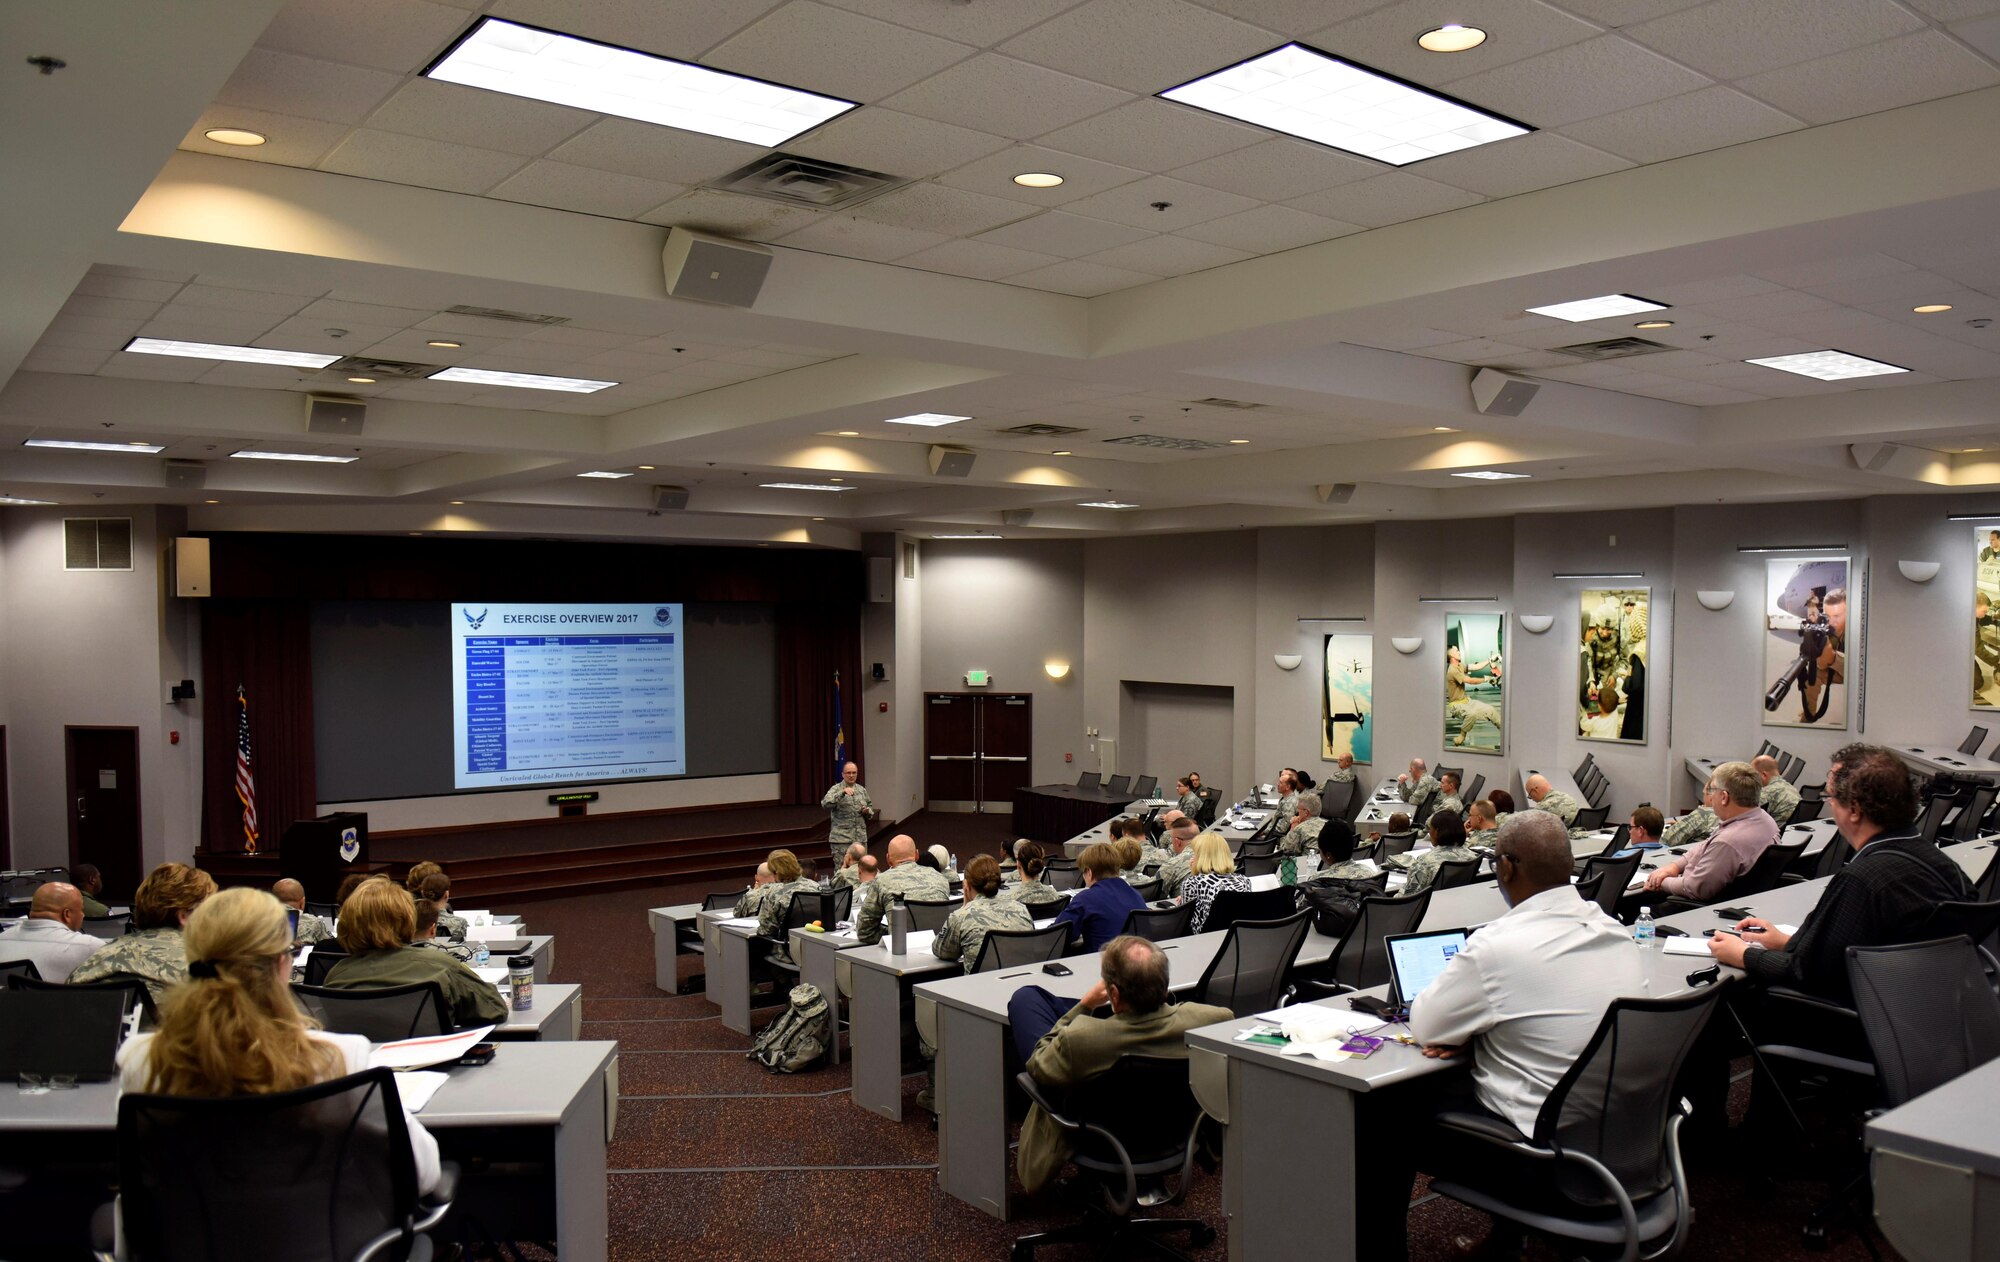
(475, 620)
(350, 845)
(663, 616)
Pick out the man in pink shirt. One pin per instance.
(1710, 867)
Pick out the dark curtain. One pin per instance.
(266, 646)
(814, 641)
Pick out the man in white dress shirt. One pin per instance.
(48, 938)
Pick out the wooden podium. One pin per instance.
(319, 853)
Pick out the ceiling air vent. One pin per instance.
(1615, 348)
(1238, 404)
(362, 366)
(797, 181)
(1040, 429)
(515, 317)
(97, 543)
(1161, 440)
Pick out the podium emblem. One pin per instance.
(350, 845)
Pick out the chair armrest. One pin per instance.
(1039, 1095)
(1310, 989)
(446, 1191)
(104, 1230)
(1480, 1126)
(1784, 994)
(1824, 1060)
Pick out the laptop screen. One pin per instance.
(1416, 959)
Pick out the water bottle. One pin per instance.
(899, 927)
(1642, 929)
(480, 954)
(521, 980)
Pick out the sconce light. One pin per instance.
(1715, 600)
(1056, 670)
(1287, 661)
(1918, 571)
(1407, 643)
(1536, 623)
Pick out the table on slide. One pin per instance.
(1937, 1171)
(549, 1106)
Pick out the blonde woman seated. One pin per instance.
(376, 926)
(1212, 872)
(233, 1029)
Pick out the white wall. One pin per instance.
(1167, 730)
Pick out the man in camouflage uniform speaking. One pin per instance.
(848, 805)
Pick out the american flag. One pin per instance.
(839, 730)
(246, 784)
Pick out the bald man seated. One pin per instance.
(312, 929)
(49, 937)
(904, 876)
(1777, 797)
(1543, 797)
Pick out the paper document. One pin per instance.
(490, 974)
(299, 960)
(1684, 946)
(437, 1049)
(1268, 881)
(415, 1087)
(738, 920)
(919, 941)
(495, 933)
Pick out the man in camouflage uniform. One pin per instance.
(848, 806)
(1694, 826)
(1423, 866)
(1448, 799)
(752, 901)
(1303, 835)
(1415, 785)
(312, 929)
(1343, 772)
(849, 872)
(906, 877)
(1557, 803)
(153, 953)
(1175, 869)
(1288, 801)
(427, 922)
(787, 879)
(965, 930)
(1778, 798)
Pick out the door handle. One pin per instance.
(80, 812)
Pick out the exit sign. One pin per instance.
(977, 679)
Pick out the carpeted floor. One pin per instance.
(715, 1158)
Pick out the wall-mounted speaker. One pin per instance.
(191, 576)
(714, 269)
(881, 580)
(1501, 394)
(1016, 516)
(327, 414)
(669, 498)
(951, 462)
(183, 475)
(1338, 493)
(880, 671)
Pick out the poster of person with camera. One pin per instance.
(1986, 619)
(1811, 609)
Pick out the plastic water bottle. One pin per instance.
(1642, 929)
(480, 954)
(899, 927)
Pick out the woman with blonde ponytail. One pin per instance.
(233, 1028)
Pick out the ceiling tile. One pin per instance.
(1620, 13)
(153, 367)
(384, 155)
(1920, 67)
(1084, 280)
(1694, 122)
(1168, 256)
(685, 29)
(1269, 229)
(1292, 18)
(1732, 39)
(731, 215)
(1386, 39)
(981, 25)
(584, 189)
(999, 94)
(1982, 33)
(1598, 76)
(981, 260)
(239, 300)
(399, 35)
(862, 239)
(954, 212)
(110, 308)
(897, 144)
(1694, 293)
(1154, 135)
(1386, 199)
(138, 273)
(1278, 170)
(1521, 165)
(1404, 339)
(1762, 307)
(822, 49)
(1081, 176)
(1954, 10)
(654, 153)
(470, 116)
(107, 286)
(309, 333)
(1833, 271)
(281, 83)
(1063, 234)
(1137, 204)
(1140, 45)
(1899, 291)
(73, 359)
(289, 139)
(195, 324)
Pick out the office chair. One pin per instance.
(1067, 877)
(322, 960)
(1831, 859)
(1472, 793)
(1973, 740)
(1146, 887)
(1394, 844)
(1088, 781)
(131, 991)
(926, 914)
(1764, 875)
(197, 1176)
(1247, 974)
(325, 911)
(1118, 786)
(1767, 748)
(1334, 798)
(1159, 924)
(1988, 884)
(1591, 818)
(829, 907)
(1231, 906)
(10, 969)
(1807, 810)
(1966, 825)
(1936, 808)
(1017, 948)
(1257, 847)
(1259, 865)
(1361, 958)
(107, 927)
(1209, 800)
(1589, 887)
(1423, 815)
(1605, 1153)
(1145, 786)
(1589, 761)
(1440, 772)
(1453, 873)
(1617, 874)
(1131, 1140)
(385, 1014)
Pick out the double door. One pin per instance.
(976, 749)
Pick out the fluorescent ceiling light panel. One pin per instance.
(965, 536)
(930, 420)
(1600, 308)
(1306, 93)
(1791, 547)
(143, 449)
(306, 457)
(239, 354)
(1828, 365)
(801, 486)
(15, 499)
(521, 380)
(603, 473)
(1106, 504)
(605, 79)
(1489, 475)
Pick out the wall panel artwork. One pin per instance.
(1812, 614)
(1474, 684)
(1986, 619)
(1347, 699)
(1612, 654)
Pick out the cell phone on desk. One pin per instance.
(1056, 968)
(479, 1055)
(1732, 913)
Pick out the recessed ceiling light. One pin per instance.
(1031, 179)
(1600, 308)
(648, 468)
(1106, 504)
(144, 449)
(304, 457)
(929, 420)
(241, 136)
(1489, 475)
(1306, 93)
(236, 354)
(603, 473)
(803, 486)
(450, 346)
(1238, 442)
(847, 433)
(1451, 38)
(1828, 365)
(1443, 429)
(819, 519)
(1062, 453)
(362, 381)
(1931, 308)
(458, 503)
(15, 499)
(605, 79)
(522, 380)
(211, 501)
(1654, 324)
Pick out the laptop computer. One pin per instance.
(1416, 959)
(71, 1031)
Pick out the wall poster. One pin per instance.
(1474, 691)
(1986, 620)
(1812, 613)
(1347, 699)
(1611, 664)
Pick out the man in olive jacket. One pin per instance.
(1070, 1046)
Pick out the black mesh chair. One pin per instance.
(1812, 792)
(1146, 887)
(1249, 972)
(1988, 883)
(1591, 818)
(1927, 1012)
(1259, 865)
(1088, 781)
(325, 911)
(1334, 799)
(1394, 844)
(327, 1169)
(1231, 906)
(1589, 887)
(926, 914)
(1118, 786)
(1361, 958)
(1065, 877)
(1159, 924)
(1589, 761)
(1453, 873)
(106, 927)
(1423, 812)
(321, 962)
(1832, 858)
(1440, 772)
(1257, 847)
(1605, 1154)
(131, 990)
(1013, 948)
(1472, 792)
(1936, 807)
(1807, 810)
(1764, 874)
(1617, 874)
(1767, 748)
(1145, 786)
(806, 906)
(10, 969)
(1596, 786)
(1132, 1141)
(385, 1014)
(1970, 816)
(1973, 740)
(1210, 800)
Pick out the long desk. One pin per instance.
(818, 956)
(875, 1024)
(1101, 831)
(1050, 812)
(665, 922)
(556, 1017)
(1930, 760)
(549, 1105)
(1937, 1171)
